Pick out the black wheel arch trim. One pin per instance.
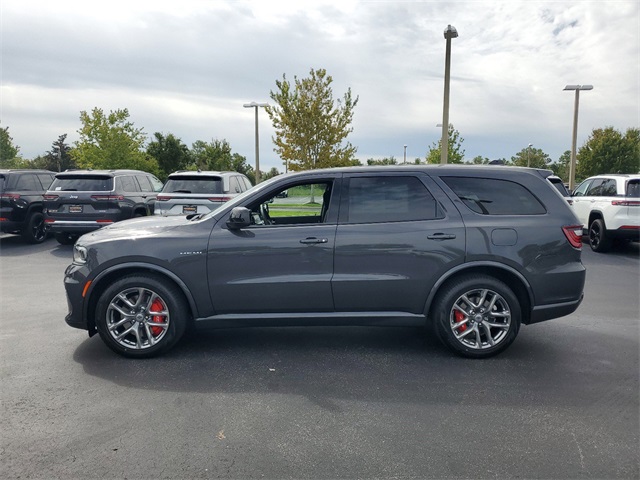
(461, 269)
(137, 265)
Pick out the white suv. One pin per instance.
(609, 207)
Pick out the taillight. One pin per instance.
(162, 198)
(625, 203)
(50, 197)
(10, 196)
(49, 220)
(219, 199)
(107, 197)
(574, 235)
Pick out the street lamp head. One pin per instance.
(578, 87)
(530, 145)
(450, 32)
(255, 104)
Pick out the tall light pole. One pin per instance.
(405, 154)
(572, 165)
(529, 154)
(256, 105)
(449, 33)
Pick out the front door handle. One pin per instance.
(441, 236)
(313, 240)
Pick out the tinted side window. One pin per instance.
(489, 196)
(128, 184)
(156, 184)
(234, 186)
(595, 190)
(145, 184)
(389, 199)
(27, 183)
(609, 188)
(45, 180)
(579, 192)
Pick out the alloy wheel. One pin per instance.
(480, 319)
(137, 318)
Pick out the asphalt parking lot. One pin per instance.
(561, 402)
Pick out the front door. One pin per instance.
(283, 262)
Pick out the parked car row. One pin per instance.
(71, 203)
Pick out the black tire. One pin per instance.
(598, 239)
(66, 238)
(129, 328)
(34, 231)
(484, 307)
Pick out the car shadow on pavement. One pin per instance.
(365, 363)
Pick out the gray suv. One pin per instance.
(79, 201)
(195, 192)
(475, 250)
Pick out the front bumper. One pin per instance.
(74, 284)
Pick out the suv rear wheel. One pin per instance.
(34, 231)
(140, 316)
(598, 238)
(477, 316)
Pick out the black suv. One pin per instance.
(80, 201)
(475, 250)
(21, 194)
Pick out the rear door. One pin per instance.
(397, 234)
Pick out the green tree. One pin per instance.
(217, 156)
(111, 141)
(270, 174)
(531, 157)
(561, 167)
(609, 151)
(8, 151)
(311, 128)
(170, 153)
(58, 159)
(455, 153)
(479, 160)
(384, 161)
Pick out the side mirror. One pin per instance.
(240, 218)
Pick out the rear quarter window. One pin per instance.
(82, 184)
(489, 196)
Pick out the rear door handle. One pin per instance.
(441, 236)
(313, 240)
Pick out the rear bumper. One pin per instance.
(542, 313)
(632, 233)
(67, 226)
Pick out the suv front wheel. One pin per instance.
(477, 316)
(140, 316)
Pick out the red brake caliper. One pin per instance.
(459, 316)
(156, 306)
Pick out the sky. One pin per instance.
(187, 67)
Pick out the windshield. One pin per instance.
(82, 183)
(194, 184)
(557, 182)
